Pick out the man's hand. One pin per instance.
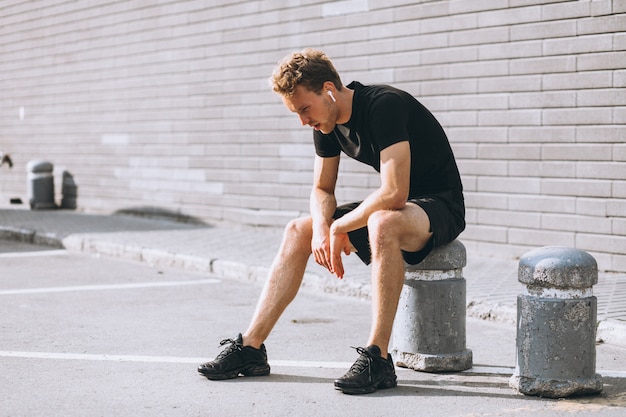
(320, 247)
(339, 242)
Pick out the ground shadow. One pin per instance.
(494, 386)
(151, 212)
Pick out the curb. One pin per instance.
(30, 236)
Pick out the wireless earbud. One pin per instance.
(330, 93)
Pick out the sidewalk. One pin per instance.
(243, 253)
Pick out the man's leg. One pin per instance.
(390, 232)
(283, 282)
(246, 354)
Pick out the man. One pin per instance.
(418, 206)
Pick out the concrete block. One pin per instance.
(479, 167)
(578, 116)
(510, 16)
(556, 316)
(579, 44)
(429, 329)
(616, 208)
(543, 30)
(577, 187)
(486, 200)
(541, 237)
(510, 185)
(618, 226)
(511, 84)
(602, 61)
(525, 168)
(558, 169)
(601, 243)
(575, 223)
(601, 134)
(619, 189)
(479, 36)
(542, 134)
(591, 206)
(543, 65)
(507, 218)
(508, 152)
(510, 50)
(601, 170)
(579, 80)
(560, 11)
(603, 24)
(543, 99)
(486, 233)
(576, 152)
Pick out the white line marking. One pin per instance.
(157, 359)
(284, 363)
(33, 254)
(108, 287)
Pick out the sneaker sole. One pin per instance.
(368, 389)
(260, 370)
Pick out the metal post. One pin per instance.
(556, 324)
(429, 329)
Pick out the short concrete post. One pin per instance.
(429, 329)
(556, 324)
(40, 185)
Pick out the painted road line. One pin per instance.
(129, 286)
(33, 254)
(487, 370)
(157, 359)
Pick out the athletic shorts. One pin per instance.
(446, 212)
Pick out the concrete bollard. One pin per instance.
(556, 324)
(429, 329)
(69, 191)
(40, 185)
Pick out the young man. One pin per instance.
(418, 206)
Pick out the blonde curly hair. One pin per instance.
(309, 68)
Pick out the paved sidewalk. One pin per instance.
(244, 253)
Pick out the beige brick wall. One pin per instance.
(166, 104)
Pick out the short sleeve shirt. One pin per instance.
(382, 116)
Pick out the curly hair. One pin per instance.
(310, 68)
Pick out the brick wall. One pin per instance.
(165, 104)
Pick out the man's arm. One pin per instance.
(395, 175)
(322, 207)
(395, 171)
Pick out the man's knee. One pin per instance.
(383, 224)
(391, 228)
(299, 230)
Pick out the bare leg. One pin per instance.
(283, 282)
(391, 231)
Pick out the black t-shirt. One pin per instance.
(382, 116)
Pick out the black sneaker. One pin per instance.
(236, 359)
(369, 373)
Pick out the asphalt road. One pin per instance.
(89, 336)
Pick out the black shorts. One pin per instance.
(446, 212)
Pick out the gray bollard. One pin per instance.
(429, 329)
(556, 324)
(40, 185)
(69, 191)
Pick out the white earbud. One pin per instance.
(330, 93)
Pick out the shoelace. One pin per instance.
(364, 361)
(234, 345)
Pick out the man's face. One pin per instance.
(315, 110)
